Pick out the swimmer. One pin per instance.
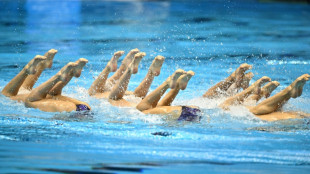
(178, 81)
(12, 88)
(38, 96)
(270, 108)
(236, 77)
(40, 65)
(56, 92)
(98, 86)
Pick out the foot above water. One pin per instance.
(135, 62)
(267, 89)
(112, 64)
(172, 80)
(298, 84)
(50, 54)
(77, 69)
(31, 67)
(129, 57)
(156, 65)
(184, 79)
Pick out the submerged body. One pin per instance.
(46, 97)
(270, 108)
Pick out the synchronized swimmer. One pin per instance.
(48, 96)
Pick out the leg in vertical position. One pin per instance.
(32, 79)
(119, 89)
(98, 86)
(12, 88)
(37, 97)
(235, 77)
(265, 91)
(181, 85)
(240, 97)
(55, 92)
(115, 77)
(154, 70)
(275, 102)
(151, 100)
(41, 91)
(233, 89)
(76, 72)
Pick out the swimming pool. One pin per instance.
(209, 37)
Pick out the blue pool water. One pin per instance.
(209, 37)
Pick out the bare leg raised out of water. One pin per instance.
(276, 102)
(98, 86)
(153, 71)
(12, 88)
(117, 75)
(181, 85)
(181, 113)
(31, 79)
(37, 98)
(76, 72)
(119, 89)
(265, 91)
(56, 91)
(233, 89)
(235, 77)
(240, 97)
(151, 100)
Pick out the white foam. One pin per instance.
(203, 103)
(132, 98)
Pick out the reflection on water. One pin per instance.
(209, 37)
(46, 22)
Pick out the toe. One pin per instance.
(191, 73)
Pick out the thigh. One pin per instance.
(122, 103)
(275, 116)
(172, 111)
(51, 105)
(69, 99)
(102, 95)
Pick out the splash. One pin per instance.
(285, 62)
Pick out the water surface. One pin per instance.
(209, 37)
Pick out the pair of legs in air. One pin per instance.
(115, 87)
(47, 96)
(269, 109)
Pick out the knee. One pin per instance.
(224, 106)
(143, 106)
(7, 94)
(28, 103)
(259, 110)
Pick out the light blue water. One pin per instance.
(211, 38)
